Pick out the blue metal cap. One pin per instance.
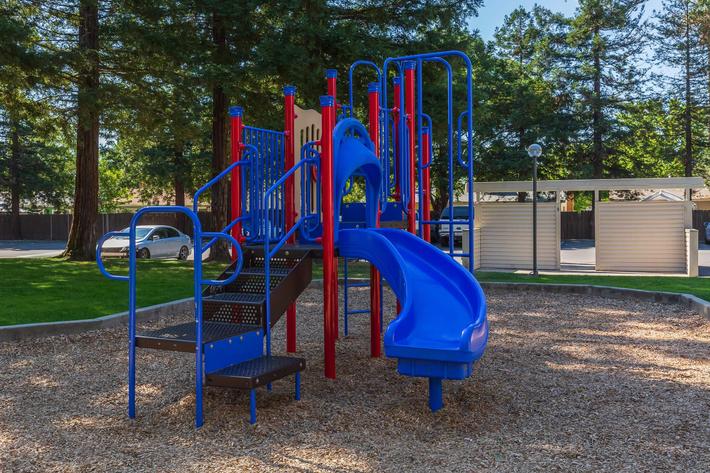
(326, 101)
(397, 80)
(235, 111)
(290, 90)
(331, 73)
(410, 64)
(373, 87)
(425, 130)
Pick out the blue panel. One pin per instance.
(234, 350)
(438, 369)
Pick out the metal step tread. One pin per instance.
(182, 337)
(236, 298)
(256, 372)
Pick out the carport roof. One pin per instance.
(593, 184)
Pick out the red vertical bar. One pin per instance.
(331, 76)
(373, 95)
(290, 205)
(236, 114)
(330, 286)
(426, 183)
(397, 111)
(409, 110)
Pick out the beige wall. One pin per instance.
(642, 236)
(506, 235)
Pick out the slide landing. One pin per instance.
(442, 328)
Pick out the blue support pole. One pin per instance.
(436, 401)
(345, 296)
(252, 406)
(297, 394)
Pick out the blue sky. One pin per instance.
(492, 14)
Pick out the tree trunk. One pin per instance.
(14, 168)
(82, 235)
(179, 187)
(597, 126)
(687, 117)
(219, 217)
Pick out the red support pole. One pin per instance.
(330, 284)
(290, 208)
(395, 131)
(236, 114)
(426, 184)
(409, 110)
(373, 95)
(331, 76)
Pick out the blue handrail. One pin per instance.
(100, 262)
(268, 253)
(198, 281)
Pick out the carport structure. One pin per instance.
(631, 236)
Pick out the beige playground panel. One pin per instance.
(307, 128)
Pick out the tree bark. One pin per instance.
(15, 191)
(687, 116)
(597, 119)
(82, 235)
(219, 217)
(179, 186)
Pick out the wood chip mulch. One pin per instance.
(568, 383)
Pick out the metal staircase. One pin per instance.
(234, 323)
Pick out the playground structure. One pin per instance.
(441, 328)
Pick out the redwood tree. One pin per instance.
(82, 235)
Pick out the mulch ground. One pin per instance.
(568, 383)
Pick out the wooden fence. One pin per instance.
(699, 218)
(577, 225)
(573, 225)
(56, 227)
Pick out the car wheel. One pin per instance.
(183, 253)
(143, 253)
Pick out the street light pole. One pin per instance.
(534, 151)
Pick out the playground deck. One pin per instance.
(568, 383)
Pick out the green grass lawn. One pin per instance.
(50, 289)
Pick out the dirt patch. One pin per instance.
(568, 382)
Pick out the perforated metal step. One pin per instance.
(257, 372)
(182, 337)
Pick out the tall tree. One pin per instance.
(605, 42)
(82, 235)
(679, 47)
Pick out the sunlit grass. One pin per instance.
(51, 289)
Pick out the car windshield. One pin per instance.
(140, 233)
(460, 213)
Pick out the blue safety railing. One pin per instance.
(267, 169)
(198, 282)
(455, 133)
(310, 197)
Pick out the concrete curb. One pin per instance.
(689, 300)
(25, 331)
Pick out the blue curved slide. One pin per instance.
(442, 328)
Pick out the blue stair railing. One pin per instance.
(198, 282)
(271, 251)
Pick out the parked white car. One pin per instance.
(152, 241)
